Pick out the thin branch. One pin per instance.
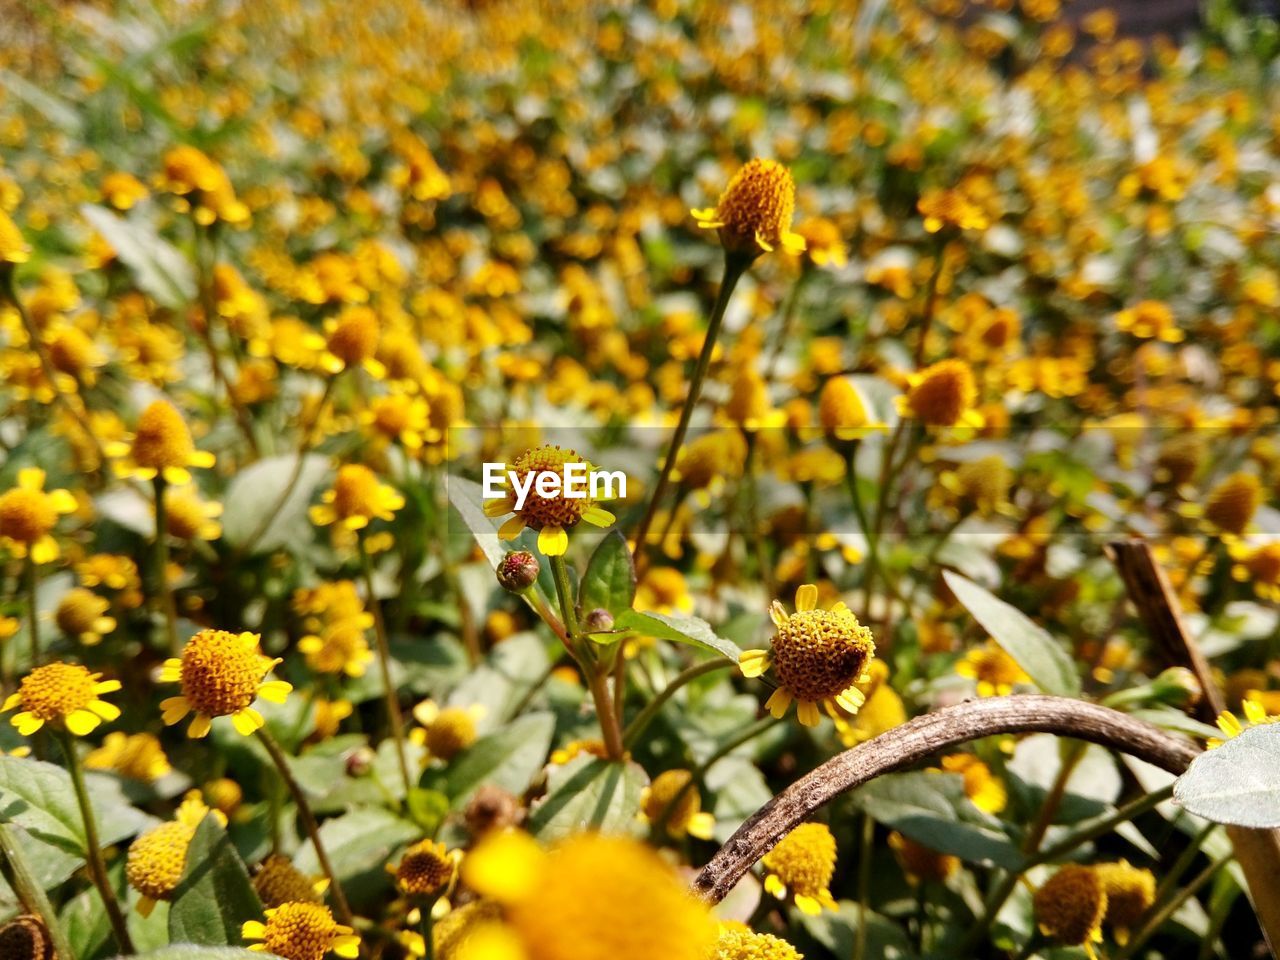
(919, 739)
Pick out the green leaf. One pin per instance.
(931, 808)
(502, 682)
(468, 500)
(427, 808)
(214, 897)
(190, 951)
(589, 794)
(1043, 658)
(1236, 783)
(508, 758)
(679, 629)
(157, 267)
(360, 845)
(253, 499)
(57, 111)
(838, 931)
(610, 580)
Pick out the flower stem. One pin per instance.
(93, 850)
(865, 851)
(394, 717)
(689, 674)
(33, 611)
(161, 547)
(17, 871)
(734, 268)
(309, 824)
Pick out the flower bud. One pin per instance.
(598, 620)
(1178, 687)
(491, 808)
(518, 571)
(360, 762)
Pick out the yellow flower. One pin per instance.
(589, 897)
(426, 869)
(454, 933)
(162, 446)
(13, 248)
(1070, 907)
(981, 485)
(842, 411)
(550, 516)
(984, 791)
(823, 242)
(1255, 714)
(743, 944)
(221, 675)
(664, 590)
(447, 731)
(202, 186)
(818, 656)
(399, 418)
(943, 395)
(951, 208)
(754, 213)
(1130, 892)
(921, 864)
(301, 931)
(28, 514)
(157, 858)
(356, 499)
(187, 517)
(352, 342)
(122, 190)
(278, 882)
(341, 648)
(882, 711)
(81, 614)
(1150, 319)
(64, 695)
(1233, 502)
(995, 671)
(1260, 566)
(802, 865)
(687, 817)
(138, 756)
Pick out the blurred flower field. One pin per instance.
(938, 344)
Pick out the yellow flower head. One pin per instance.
(842, 412)
(1233, 502)
(138, 756)
(1070, 906)
(921, 864)
(687, 817)
(398, 418)
(818, 656)
(743, 944)
(552, 515)
(357, 498)
(28, 514)
(447, 731)
(353, 341)
(706, 462)
(25, 937)
(1130, 893)
(340, 647)
(1148, 320)
(221, 675)
(981, 485)
(995, 671)
(943, 395)
(802, 865)
(1260, 566)
(162, 446)
(301, 931)
(951, 208)
(754, 212)
(985, 791)
(81, 614)
(122, 190)
(187, 517)
(65, 695)
(157, 858)
(823, 242)
(223, 794)
(590, 897)
(13, 248)
(202, 186)
(278, 882)
(427, 869)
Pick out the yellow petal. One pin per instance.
(511, 529)
(808, 713)
(200, 727)
(253, 930)
(753, 663)
(348, 946)
(808, 905)
(499, 507)
(773, 884)
(806, 597)
(553, 541)
(778, 703)
(247, 721)
(82, 722)
(598, 516)
(277, 691)
(27, 723)
(174, 709)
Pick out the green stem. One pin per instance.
(93, 849)
(1156, 918)
(788, 320)
(689, 674)
(1102, 825)
(564, 593)
(16, 870)
(868, 835)
(750, 733)
(33, 611)
(161, 553)
(425, 923)
(930, 301)
(734, 268)
(309, 824)
(756, 540)
(394, 716)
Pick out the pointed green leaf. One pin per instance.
(610, 580)
(509, 758)
(214, 897)
(679, 629)
(157, 267)
(589, 793)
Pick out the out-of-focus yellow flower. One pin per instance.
(28, 514)
(754, 213)
(221, 675)
(842, 411)
(981, 485)
(341, 647)
(1130, 893)
(687, 816)
(823, 242)
(301, 931)
(984, 790)
(551, 516)
(399, 418)
(951, 208)
(201, 186)
(1150, 320)
(943, 395)
(1233, 502)
(161, 446)
(664, 590)
(82, 615)
(357, 498)
(819, 657)
(187, 517)
(921, 864)
(278, 882)
(427, 869)
(1258, 565)
(66, 696)
(13, 248)
(123, 190)
(802, 865)
(1070, 906)
(994, 670)
(447, 731)
(353, 342)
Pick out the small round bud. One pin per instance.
(1178, 687)
(598, 620)
(360, 762)
(518, 571)
(491, 808)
